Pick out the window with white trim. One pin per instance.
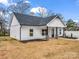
(44, 32)
(60, 31)
(31, 32)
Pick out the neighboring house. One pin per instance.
(26, 27)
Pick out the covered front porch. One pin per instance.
(55, 32)
(55, 28)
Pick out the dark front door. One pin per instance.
(52, 32)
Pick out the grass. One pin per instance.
(52, 49)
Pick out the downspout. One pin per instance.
(20, 32)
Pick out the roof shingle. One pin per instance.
(32, 20)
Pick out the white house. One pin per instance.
(26, 27)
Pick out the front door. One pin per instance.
(52, 32)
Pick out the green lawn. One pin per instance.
(52, 49)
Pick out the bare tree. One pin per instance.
(2, 22)
(41, 11)
(32, 13)
(59, 15)
(19, 6)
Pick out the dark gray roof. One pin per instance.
(32, 20)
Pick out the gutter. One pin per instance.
(20, 32)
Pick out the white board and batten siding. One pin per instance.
(15, 29)
(56, 22)
(37, 32)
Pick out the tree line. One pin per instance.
(72, 25)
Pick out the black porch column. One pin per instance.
(64, 32)
(56, 33)
(47, 34)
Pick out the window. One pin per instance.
(60, 31)
(31, 32)
(44, 32)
